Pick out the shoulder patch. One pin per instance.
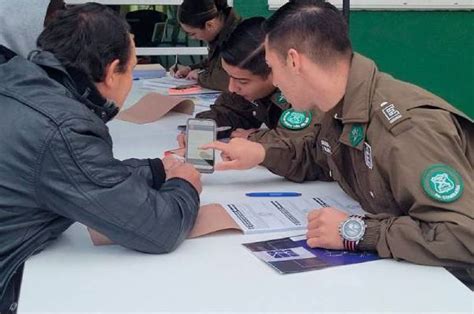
(394, 119)
(295, 120)
(442, 183)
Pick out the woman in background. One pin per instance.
(211, 21)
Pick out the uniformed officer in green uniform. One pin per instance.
(211, 21)
(405, 154)
(252, 100)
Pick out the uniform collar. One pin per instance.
(354, 109)
(359, 91)
(277, 98)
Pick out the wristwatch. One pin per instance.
(352, 231)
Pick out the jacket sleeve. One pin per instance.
(200, 65)
(232, 110)
(432, 232)
(80, 179)
(272, 135)
(214, 76)
(297, 158)
(152, 170)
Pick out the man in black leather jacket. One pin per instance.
(56, 161)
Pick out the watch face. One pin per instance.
(353, 229)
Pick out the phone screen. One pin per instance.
(198, 133)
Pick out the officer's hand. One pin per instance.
(242, 133)
(181, 138)
(182, 71)
(188, 173)
(238, 154)
(323, 228)
(193, 75)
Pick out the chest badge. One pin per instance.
(356, 135)
(442, 183)
(295, 120)
(368, 156)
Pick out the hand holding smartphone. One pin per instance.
(200, 132)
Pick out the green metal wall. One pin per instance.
(432, 49)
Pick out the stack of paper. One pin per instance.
(148, 71)
(164, 84)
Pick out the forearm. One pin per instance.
(199, 65)
(170, 220)
(296, 159)
(150, 169)
(104, 194)
(448, 243)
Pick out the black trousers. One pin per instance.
(9, 301)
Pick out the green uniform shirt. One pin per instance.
(405, 154)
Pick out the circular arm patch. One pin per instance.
(295, 120)
(442, 183)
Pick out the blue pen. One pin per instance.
(273, 194)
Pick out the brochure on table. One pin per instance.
(293, 255)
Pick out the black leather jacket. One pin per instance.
(57, 167)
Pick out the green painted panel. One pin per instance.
(432, 49)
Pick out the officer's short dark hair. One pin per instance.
(87, 38)
(314, 28)
(196, 13)
(244, 47)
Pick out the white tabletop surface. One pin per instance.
(216, 273)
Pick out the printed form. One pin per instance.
(283, 214)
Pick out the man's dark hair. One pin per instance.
(53, 9)
(314, 28)
(88, 38)
(196, 13)
(244, 47)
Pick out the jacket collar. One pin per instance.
(354, 109)
(359, 91)
(81, 87)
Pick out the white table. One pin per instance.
(215, 273)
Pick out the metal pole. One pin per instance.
(346, 5)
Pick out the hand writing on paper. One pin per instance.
(323, 228)
(193, 75)
(182, 71)
(242, 133)
(188, 173)
(238, 154)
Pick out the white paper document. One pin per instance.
(163, 84)
(283, 214)
(166, 82)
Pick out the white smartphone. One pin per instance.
(198, 133)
